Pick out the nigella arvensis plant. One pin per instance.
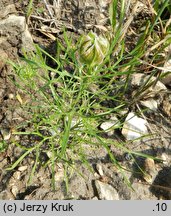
(93, 49)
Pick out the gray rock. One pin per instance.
(7, 10)
(27, 41)
(106, 191)
(14, 29)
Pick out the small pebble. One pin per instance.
(59, 175)
(110, 125)
(106, 191)
(11, 96)
(165, 158)
(22, 168)
(17, 175)
(99, 169)
(14, 190)
(149, 170)
(6, 133)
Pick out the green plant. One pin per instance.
(66, 106)
(3, 146)
(29, 10)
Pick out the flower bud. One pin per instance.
(93, 49)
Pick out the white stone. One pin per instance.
(99, 169)
(106, 191)
(151, 104)
(165, 158)
(134, 127)
(106, 125)
(6, 133)
(59, 175)
(74, 122)
(113, 122)
(22, 168)
(14, 190)
(94, 198)
(49, 154)
(17, 175)
(167, 72)
(11, 96)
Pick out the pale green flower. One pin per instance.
(93, 49)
